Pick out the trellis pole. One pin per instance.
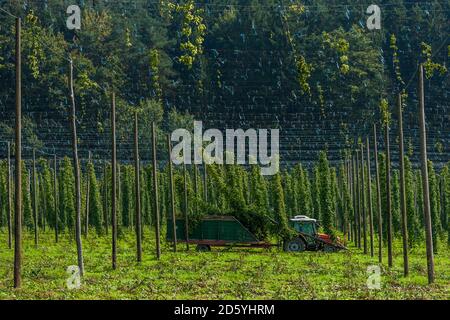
(8, 194)
(403, 187)
(155, 193)
(377, 178)
(76, 166)
(18, 163)
(369, 196)
(137, 186)
(113, 182)
(425, 185)
(172, 194)
(35, 205)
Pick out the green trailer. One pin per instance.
(215, 231)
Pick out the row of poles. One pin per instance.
(356, 167)
(18, 255)
(18, 182)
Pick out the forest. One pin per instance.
(89, 181)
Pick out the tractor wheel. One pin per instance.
(328, 248)
(295, 245)
(203, 248)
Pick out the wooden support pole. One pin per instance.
(355, 201)
(35, 201)
(369, 197)
(425, 184)
(76, 166)
(18, 164)
(8, 195)
(88, 191)
(105, 197)
(113, 182)
(403, 187)
(349, 187)
(363, 199)
(377, 178)
(155, 193)
(388, 195)
(172, 195)
(55, 197)
(119, 194)
(137, 190)
(358, 201)
(44, 214)
(186, 207)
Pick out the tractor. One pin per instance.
(308, 238)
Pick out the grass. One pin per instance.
(220, 274)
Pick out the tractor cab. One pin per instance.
(305, 225)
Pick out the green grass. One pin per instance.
(220, 274)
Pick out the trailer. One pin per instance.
(215, 231)
(227, 231)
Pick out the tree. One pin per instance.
(386, 120)
(235, 188)
(95, 202)
(127, 195)
(26, 199)
(346, 206)
(258, 194)
(66, 195)
(315, 191)
(290, 194)
(279, 208)
(47, 188)
(415, 235)
(306, 200)
(327, 208)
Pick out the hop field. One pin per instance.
(220, 274)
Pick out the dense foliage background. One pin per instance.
(310, 68)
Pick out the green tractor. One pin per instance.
(308, 238)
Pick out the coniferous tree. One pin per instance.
(414, 231)
(279, 209)
(47, 194)
(95, 202)
(66, 195)
(335, 197)
(419, 197)
(217, 187)
(327, 209)
(289, 194)
(305, 194)
(127, 195)
(27, 210)
(315, 192)
(235, 189)
(258, 195)
(346, 206)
